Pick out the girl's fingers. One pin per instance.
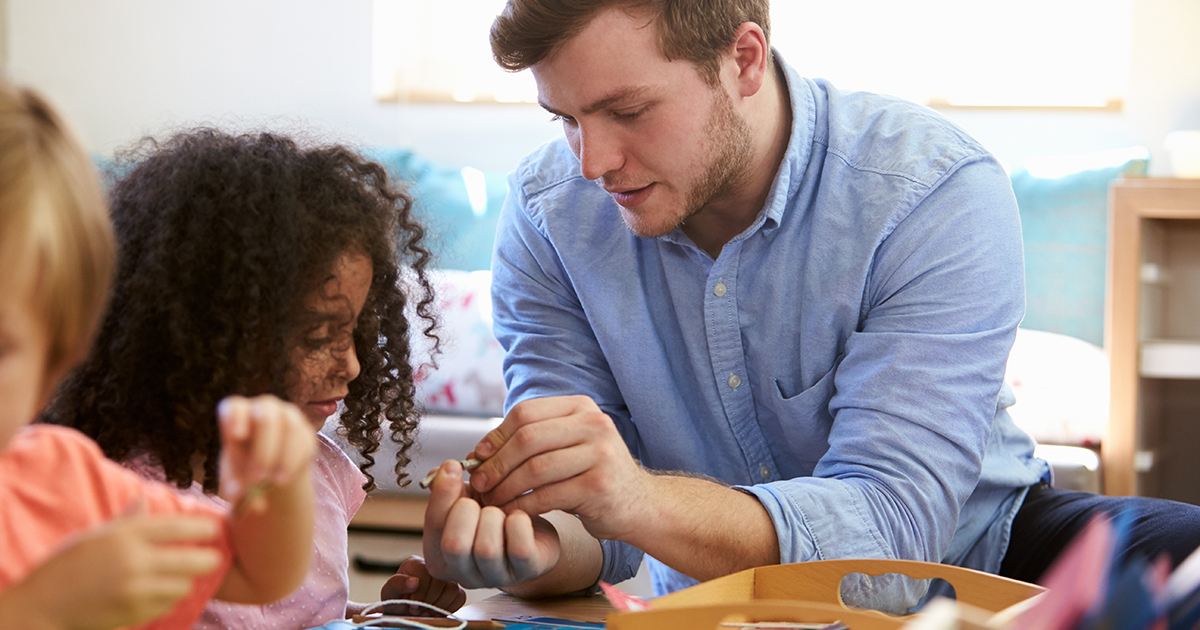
(454, 598)
(233, 419)
(266, 439)
(233, 414)
(184, 561)
(430, 591)
(297, 447)
(163, 591)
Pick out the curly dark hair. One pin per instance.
(220, 237)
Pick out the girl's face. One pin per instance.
(24, 347)
(322, 360)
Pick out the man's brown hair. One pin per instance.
(530, 31)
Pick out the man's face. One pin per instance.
(653, 133)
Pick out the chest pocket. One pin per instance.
(797, 427)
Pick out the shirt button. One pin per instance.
(765, 472)
(719, 289)
(734, 380)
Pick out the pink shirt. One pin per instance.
(55, 484)
(337, 486)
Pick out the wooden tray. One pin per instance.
(810, 592)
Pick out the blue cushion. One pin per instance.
(458, 207)
(1064, 225)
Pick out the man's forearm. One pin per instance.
(703, 529)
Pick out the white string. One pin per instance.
(412, 623)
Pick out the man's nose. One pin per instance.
(599, 152)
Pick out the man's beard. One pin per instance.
(728, 167)
(730, 164)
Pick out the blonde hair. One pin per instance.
(52, 214)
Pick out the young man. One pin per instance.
(798, 300)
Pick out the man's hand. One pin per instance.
(480, 546)
(413, 581)
(129, 571)
(564, 453)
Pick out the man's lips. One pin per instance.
(631, 197)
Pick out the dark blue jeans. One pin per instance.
(1050, 518)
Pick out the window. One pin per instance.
(437, 51)
(1030, 53)
(1025, 53)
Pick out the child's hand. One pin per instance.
(412, 581)
(129, 571)
(266, 442)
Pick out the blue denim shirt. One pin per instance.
(842, 359)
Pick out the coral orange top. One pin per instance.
(55, 483)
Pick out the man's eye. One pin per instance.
(566, 120)
(628, 116)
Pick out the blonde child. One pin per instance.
(254, 264)
(85, 543)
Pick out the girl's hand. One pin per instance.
(129, 571)
(413, 581)
(266, 443)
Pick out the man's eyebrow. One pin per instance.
(608, 101)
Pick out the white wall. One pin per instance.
(124, 68)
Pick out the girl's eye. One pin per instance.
(317, 343)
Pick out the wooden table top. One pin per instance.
(576, 608)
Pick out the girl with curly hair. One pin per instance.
(250, 264)
(84, 542)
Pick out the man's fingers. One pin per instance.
(527, 443)
(522, 549)
(456, 544)
(447, 487)
(489, 554)
(554, 465)
(528, 412)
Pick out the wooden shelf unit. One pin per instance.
(1152, 306)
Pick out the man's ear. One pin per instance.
(753, 58)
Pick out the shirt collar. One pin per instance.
(799, 147)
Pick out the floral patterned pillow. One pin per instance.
(468, 378)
